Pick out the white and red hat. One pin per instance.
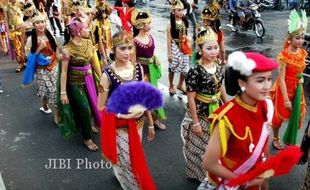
(247, 63)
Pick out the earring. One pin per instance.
(242, 89)
(289, 41)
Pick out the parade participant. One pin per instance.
(145, 46)
(189, 6)
(29, 12)
(285, 90)
(42, 65)
(237, 144)
(119, 72)
(179, 46)
(3, 34)
(210, 17)
(306, 184)
(77, 84)
(14, 18)
(101, 32)
(104, 23)
(124, 13)
(204, 92)
(65, 12)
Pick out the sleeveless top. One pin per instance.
(179, 31)
(80, 56)
(116, 80)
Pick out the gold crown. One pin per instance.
(37, 17)
(177, 4)
(205, 34)
(211, 12)
(30, 7)
(144, 17)
(75, 5)
(121, 38)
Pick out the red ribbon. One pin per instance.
(137, 159)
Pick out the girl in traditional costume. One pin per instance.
(211, 18)
(120, 72)
(101, 33)
(14, 18)
(3, 34)
(42, 64)
(239, 128)
(104, 23)
(287, 93)
(145, 46)
(204, 93)
(179, 46)
(124, 12)
(77, 84)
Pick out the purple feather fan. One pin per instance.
(134, 97)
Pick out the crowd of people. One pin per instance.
(96, 59)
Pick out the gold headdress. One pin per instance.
(297, 24)
(177, 4)
(75, 5)
(37, 16)
(121, 38)
(140, 17)
(205, 34)
(105, 9)
(211, 12)
(28, 7)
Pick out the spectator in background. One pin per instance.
(53, 14)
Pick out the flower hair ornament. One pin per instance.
(76, 26)
(297, 23)
(247, 63)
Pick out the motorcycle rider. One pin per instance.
(242, 7)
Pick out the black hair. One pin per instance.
(173, 29)
(231, 81)
(67, 35)
(34, 40)
(135, 31)
(27, 5)
(1, 10)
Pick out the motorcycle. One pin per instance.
(270, 4)
(252, 21)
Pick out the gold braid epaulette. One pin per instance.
(223, 123)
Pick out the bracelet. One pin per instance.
(196, 124)
(63, 92)
(151, 127)
(118, 115)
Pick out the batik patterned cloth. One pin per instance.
(46, 84)
(180, 62)
(123, 169)
(194, 147)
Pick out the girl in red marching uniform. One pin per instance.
(237, 143)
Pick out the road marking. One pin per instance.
(2, 186)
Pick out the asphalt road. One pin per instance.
(29, 140)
